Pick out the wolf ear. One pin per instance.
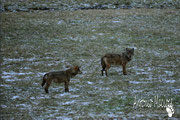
(76, 67)
(127, 49)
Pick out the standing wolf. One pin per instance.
(116, 59)
(60, 77)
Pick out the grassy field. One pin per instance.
(38, 42)
(28, 5)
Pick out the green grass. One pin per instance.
(34, 43)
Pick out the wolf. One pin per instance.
(60, 77)
(116, 59)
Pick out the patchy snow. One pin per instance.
(170, 73)
(117, 21)
(64, 118)
(69, 102)
(85, 5)
(169, 81)
(137, 91)
(6, 77)
(11, 80)
(85, 103)
(177, 90)
(4, 85)
(64, 94)
(139, 115)
(13, 59)
(149, 69)
(132, 47)
(74, 38)
(106, 88)
(50, 64)
(140, 71)
(93, 37)
(150, 77)
(26, 68)
(134, 82)
(74, 96)
(43, 97)
(19, 59)
(41, 73)
(60, 22)
(32, 98)
(15, 97)
(61, 95)
(101, 81)
(15, 73)
(101, 34)
(143, 72)
(137, 82)
(90, 82)
(22, 105)
(3, 106)
(10, 76)
(119, 92)
(112, 115)
(112, 37)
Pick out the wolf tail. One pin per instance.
(103, 64)
(44, 80)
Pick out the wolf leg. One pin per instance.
(47, 85)
(124, 69)
(66, 85)
(44, 81)
(107, 68)
(102, 71)
(103, 64)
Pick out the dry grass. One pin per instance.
(43, 41)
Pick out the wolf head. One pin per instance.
(129, 52)
(76, 70)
